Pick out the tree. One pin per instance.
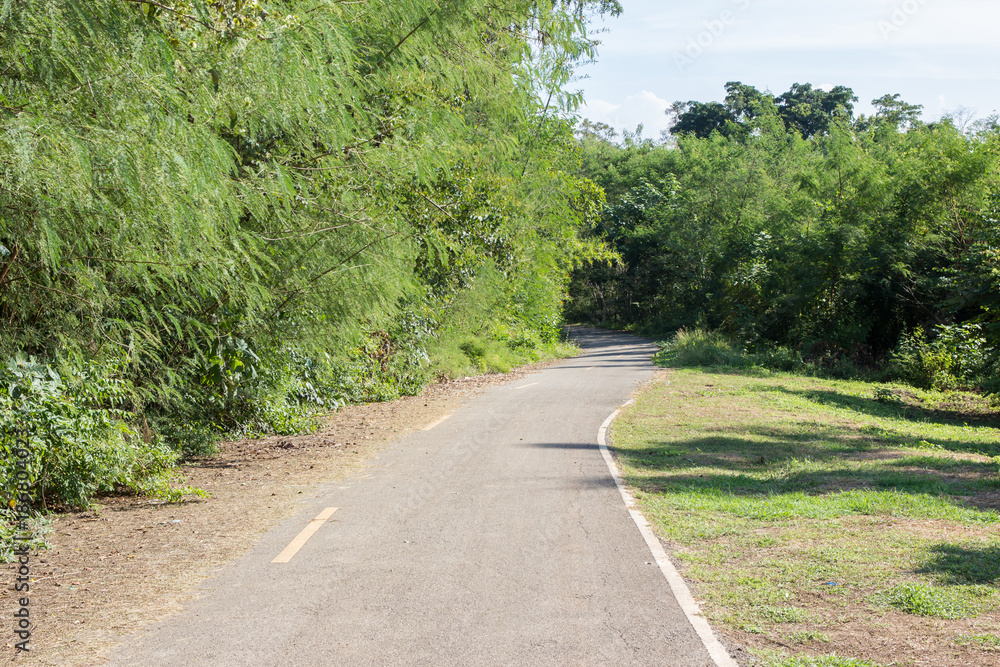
(201, 185)
(746, 103)
(803, 109)
(587, 130)
(702, 119)
(842, 239)
(892, 112)
(810, 111)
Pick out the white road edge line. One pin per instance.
(716, 650)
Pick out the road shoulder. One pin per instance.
(130, 562)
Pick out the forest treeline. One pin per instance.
(798, 233)
(223, 216)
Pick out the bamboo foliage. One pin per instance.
(177, 174)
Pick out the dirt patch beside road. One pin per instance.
(131, 561)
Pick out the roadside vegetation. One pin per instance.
(823, 517)
(824, 457)
(221, 219)
(800, 231)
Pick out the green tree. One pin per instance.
(891, 112)
(803, 109)
(227, 193)
(810, 111)
(838, 241)
(702, 119)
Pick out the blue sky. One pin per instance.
(943, 54)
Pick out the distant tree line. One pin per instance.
(788, 222)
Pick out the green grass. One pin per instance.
(948, 602)
(795, 503)
(778, 659)
(982, 642)
(455, 357)
(807, 636)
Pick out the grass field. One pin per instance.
(826, 522)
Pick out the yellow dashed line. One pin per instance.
(307, 532)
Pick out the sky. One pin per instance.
(942, 54)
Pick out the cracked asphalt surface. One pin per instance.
(497, 537)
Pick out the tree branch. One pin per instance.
(6, 269)
(299, 291)
(174, 11)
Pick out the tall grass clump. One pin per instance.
(698, 347)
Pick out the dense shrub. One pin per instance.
(952, 357)
(81, 437)
(703, 348)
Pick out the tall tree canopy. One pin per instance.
(201, 189)
(803, 109)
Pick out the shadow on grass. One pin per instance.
(767, 461)
(745, 371)
(960, 565)
(869, 407)
(972, 416)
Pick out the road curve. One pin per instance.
(497, 537)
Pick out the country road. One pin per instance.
(494, 537)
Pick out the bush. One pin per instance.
(78, 436)
(699, 347)
(953, 357)
(780, 359)
(382, 367)
(702, 348)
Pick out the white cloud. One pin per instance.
(644, 107)
(942, 105)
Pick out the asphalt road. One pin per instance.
(497, 537)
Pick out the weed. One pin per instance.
(924, 600)
(779, 659)
(981, 642)
(923, 444)
(807, 636)
(781, 614)
(39, 527)
(885, 395)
